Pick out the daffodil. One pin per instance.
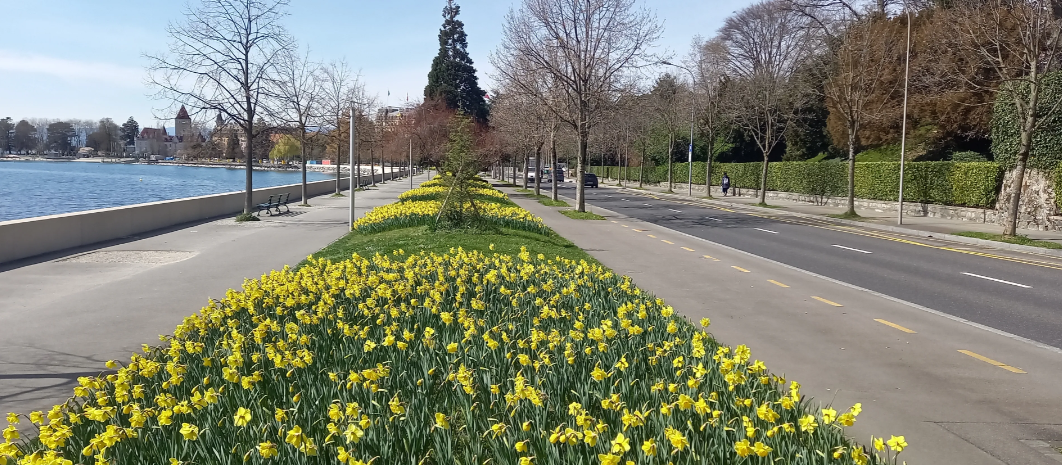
(242, 417)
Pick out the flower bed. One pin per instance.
(438, 192)
(457, 358)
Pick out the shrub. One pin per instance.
(968, 157)
(1046, 150)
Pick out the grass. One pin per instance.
(889, 152)
(845, 216)
(552, 203)
(247, 217)
(578, 215)
(416, 239)
(337, 194)
(1020, 240)
(764, 205)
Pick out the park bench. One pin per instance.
(269, 205)
(283, 201)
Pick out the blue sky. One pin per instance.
(81, 59)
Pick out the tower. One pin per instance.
(182, 125)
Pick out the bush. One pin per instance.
(938, 182)
(968, 157)
(1046, 151)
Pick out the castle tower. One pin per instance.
(182, 125)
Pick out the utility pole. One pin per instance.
(353, 215)
(410, 172)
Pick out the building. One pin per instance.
(389, 116)
(157, 141)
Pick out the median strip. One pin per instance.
(993, 362)
(825, 301)
(894, 325)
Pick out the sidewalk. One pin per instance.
(876, 219)
(65, 317)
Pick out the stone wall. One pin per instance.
(1037, 205)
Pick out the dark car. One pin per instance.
(558, 176)
(590, 180)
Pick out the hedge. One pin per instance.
(973, 184)
(1046, 150)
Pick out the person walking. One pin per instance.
(725, 184)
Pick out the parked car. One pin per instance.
(590, 180)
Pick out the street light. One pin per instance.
(693, 111)
(903, 131)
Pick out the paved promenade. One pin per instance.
(960, 393)
(63, 317)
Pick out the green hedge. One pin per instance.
(974, 184)
(1058, 187)
(1046, 150)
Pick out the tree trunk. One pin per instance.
(302, 151)
(248, 201)
(580, 188)
(553, 165)
(853, 129)
(538, 169)
(641, 168)
(708, 168)
(670, 148)
(339, 152)
(527, 161)
(372, 167)
(763, 180)
(1028, 126)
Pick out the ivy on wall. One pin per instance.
(1046, 150)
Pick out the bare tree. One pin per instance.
(666, 98)
(341, 86)
(708, 59)
(1016, 42)
(298, 92)
(766, 42)
(585, 47)
(855, 88)
(220, 59)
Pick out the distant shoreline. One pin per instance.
(134, 161)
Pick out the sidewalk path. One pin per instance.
(63, 318)
(846, 345)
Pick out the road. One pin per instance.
(928, 350)
(1016, 293)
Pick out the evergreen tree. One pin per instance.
(452, 78)
(130, 130)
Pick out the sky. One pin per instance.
(80, 59)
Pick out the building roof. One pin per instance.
(183, 114)
(152, 133)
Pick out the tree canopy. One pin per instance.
(452, 78)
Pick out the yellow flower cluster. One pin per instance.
(456, 358)
(413, 212)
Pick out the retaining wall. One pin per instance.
(30, 237)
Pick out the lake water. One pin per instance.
(38, 188)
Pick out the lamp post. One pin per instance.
(693, 117)
(353, 215)
(903, 130)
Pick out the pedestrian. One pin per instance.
(725, 184)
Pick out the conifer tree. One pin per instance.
(452, 78)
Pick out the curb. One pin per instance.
(1056, 253)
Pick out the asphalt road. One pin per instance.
(1016, 294)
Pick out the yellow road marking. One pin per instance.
(711, 258)
(688, 249)
(652, 236)
(993, 362)
(829, 302)
(776, 283)
(625, 226)
(667, 242)
(615, 221)
(640, 230)
(741, 269)
(894, 325)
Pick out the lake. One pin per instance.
(40, 188)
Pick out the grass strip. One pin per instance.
(578, 215)
(1020, 240)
